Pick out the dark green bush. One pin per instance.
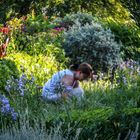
(93, 44)
(100, 8)
(129, 36)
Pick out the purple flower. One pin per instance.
(14, 116)
(5, 101)
(124, 80)
(8, 86)
(6, 109)
(20, 84)
(22, 92)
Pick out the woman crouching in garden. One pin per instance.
(65, 83)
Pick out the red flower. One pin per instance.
(4, 30)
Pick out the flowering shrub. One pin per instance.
(7, 69)
(42, 67)
(4, 30)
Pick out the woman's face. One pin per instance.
(81, 76)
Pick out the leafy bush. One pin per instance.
(129, 36)
(93, 44)
(35, 36)
(39, 23)
(8, 68)
(41, 43)
(41, 67)
(102, 8)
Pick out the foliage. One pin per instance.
(7, 69)
(129, 36)
(134, 8)
(93, 44)
(42, 67)
(107, 109)
(35, 37)
(70, 19)
(39, 23)
(35, 53)
(41, 43)
(100, 8)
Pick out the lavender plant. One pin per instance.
(128, 73)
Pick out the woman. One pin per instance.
(65, 83)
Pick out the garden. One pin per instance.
(39, 38)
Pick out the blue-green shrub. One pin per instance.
(93, 44)
(70, 19)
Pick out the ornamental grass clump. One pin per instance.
(93, 44)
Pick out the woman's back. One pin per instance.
(54, 86)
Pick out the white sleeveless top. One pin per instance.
(54, 85)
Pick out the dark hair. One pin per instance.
(74, 67)
(83, 67)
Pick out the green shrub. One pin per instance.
(41, 67)
(45, 43)
(129, 36)
(93, 44)
(38, 23)
(8, 68)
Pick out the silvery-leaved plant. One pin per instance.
(92, 43)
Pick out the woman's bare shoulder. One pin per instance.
(67, 80)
